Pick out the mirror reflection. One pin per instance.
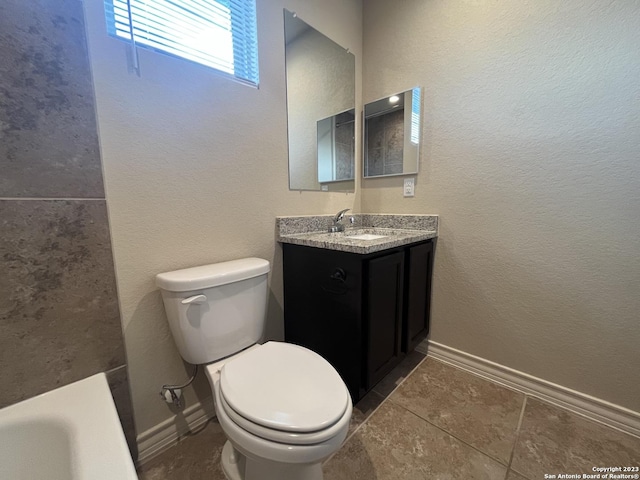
(392, 135)
(320, 109)
(336, 148)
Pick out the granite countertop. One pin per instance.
(398, 230)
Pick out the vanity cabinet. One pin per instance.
(384, 287)
(418, 295)
(362, 313)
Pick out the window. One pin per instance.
(415, 116)
(220, 34)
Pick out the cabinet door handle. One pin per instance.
(338, 279)
(339, 275)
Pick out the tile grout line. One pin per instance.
(534, 395)
(112, 370)
(375, 409)
(518, 431)
(50, 199)
(545, 398)
(473, 447)
(515, 442)
(500, 461)
(501, 385)
(479, 375)
(388, 398)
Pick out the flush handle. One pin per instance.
(194, 300)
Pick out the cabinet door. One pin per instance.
(418, 295)
(384, 315)
(322, 307)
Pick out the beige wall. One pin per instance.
(195, 169)
(530, 156)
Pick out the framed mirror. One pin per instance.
(392, 135)
(320, 109)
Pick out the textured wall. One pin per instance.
(195, 172)
(58, 303)
(530, 156)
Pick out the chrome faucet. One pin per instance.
(337, 225)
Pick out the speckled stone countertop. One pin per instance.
(312, 231)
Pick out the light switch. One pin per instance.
(409, 186)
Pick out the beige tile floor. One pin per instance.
(440, 423)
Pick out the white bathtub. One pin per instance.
(71, 433)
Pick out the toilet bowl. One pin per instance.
(283, 408)
(279, 430)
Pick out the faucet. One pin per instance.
(337, 226)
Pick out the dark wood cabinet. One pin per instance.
(383, 316)
(362, 313)
(418, 295)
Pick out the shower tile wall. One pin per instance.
(385, 143)
(345, 145)
(58, 303)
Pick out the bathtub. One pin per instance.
(71, 433)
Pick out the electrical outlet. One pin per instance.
(409, 186)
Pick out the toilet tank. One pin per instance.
(215, 310)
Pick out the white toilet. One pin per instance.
(283, 408)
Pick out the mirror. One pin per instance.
(320, 109)
(336, 147)
(392, 135)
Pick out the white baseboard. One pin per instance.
(156, 440)
(601, 411)
(166, 434)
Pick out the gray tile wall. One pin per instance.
(384, 143)
(58, 303)
(345, 146)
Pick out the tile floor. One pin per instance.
(440, 423)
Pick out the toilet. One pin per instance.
(283, 408)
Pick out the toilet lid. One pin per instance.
(284, 387)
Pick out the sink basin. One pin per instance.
(366, 236)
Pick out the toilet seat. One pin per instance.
(285, 393)
(255, 447)
(280, 436)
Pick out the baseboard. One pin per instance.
(601, 411)
(156, 440)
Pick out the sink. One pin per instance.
(366, 236)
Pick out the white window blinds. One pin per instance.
(218, 33)
(415, 116)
